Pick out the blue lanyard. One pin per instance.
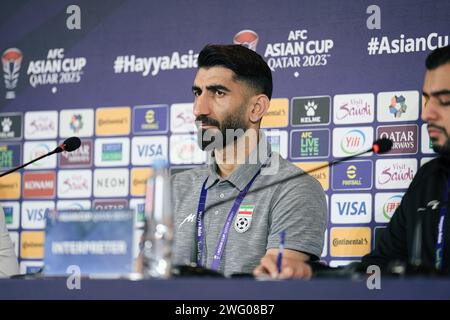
(439, 251)
(226, 229)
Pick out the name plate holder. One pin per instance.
(91, 243)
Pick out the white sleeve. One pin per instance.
(8, 259)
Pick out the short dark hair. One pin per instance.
(438, 57)
(247, 65)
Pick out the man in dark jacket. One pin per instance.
(417, 237)
(419, 231)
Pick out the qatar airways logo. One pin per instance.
(395, 173)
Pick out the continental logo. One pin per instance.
(321, 175)
(278, 114)
(32, 245)
(139, 181)
(350, 242)
(113, 121)
(10, 186)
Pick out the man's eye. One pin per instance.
(196, 93)
(220, 93)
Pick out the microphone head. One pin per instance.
(382, 145)
(71, 144)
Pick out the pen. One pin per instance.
(280, 250)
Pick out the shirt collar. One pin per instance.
(245, 172)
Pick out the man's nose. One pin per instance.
(201, 106)
(429, 111)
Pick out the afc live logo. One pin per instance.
(395, 173)
(313, 143)
(150, 119)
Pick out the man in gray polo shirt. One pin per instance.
(229, 215)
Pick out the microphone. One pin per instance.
(380, 146)
(69, 145)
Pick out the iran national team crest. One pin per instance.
(244, 218)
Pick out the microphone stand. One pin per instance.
(25, 164)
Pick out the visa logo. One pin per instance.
(150, 150)
(36, 214)
(355, 208)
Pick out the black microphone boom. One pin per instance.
(380, 146)
(70, 144)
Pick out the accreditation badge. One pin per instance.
(244, 218)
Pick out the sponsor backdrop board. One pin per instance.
(118, 74)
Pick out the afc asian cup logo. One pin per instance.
(11, 60)
(247, 38)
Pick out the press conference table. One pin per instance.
(225, 289)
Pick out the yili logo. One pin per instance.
(353, 142)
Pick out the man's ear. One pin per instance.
(259, 106)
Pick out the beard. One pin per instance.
(225, 133)
(444, 149)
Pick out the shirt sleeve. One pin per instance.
(8, 259)
(300, 209)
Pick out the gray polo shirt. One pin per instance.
(297, 206)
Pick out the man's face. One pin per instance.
(220, 104)
(436, 113)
